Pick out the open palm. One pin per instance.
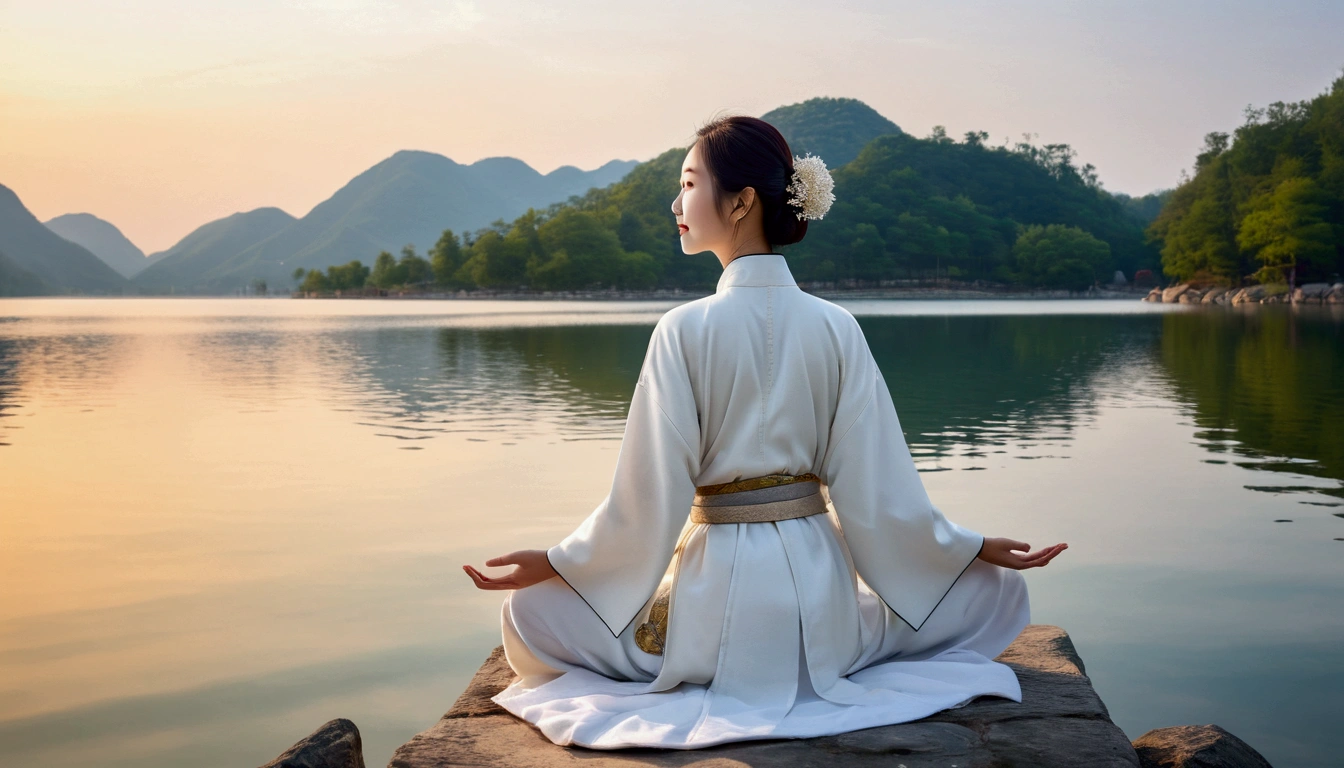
(1014, 554)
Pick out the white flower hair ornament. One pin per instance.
(811, 187)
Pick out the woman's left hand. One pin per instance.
(1009, 553)
(533, 567)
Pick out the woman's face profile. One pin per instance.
(699, 222)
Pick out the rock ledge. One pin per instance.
(1060, 722)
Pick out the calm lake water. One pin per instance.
(224, 522)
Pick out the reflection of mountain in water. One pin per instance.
(963, 384)
(1266, 388)
(1019, 385)
(414, 383)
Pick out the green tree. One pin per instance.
(315, 282)
(445, 258)
(1057, 256)
(500, 260)
(577, 252)
(1197, 227)
(1267, 198)
(384, 274)
(1287, 230)
(413, 269)
(347, 277)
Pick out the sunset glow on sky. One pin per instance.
(161, 116)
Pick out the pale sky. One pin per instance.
(161, 115)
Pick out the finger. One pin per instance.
(1037, 555)
(476, 577)
(483, 582)
(1019, 546)
(509, 559)
(1048, 558)
(1048, 551)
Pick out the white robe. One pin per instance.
(797, 628)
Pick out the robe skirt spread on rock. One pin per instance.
(803, 627)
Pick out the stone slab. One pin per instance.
(1061, 721)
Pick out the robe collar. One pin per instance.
(756, 270)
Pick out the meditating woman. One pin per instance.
(767, 563)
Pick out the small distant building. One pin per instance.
(1119, 278)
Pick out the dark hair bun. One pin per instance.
(742, 152)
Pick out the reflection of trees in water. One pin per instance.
(1266, 386)
(416, 383)
(9, 387)
(973, 383)
(976, 384)
(73, 370)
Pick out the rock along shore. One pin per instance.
(1307, 293)
(1061, 721)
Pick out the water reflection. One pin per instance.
(1266, 389)
(412, 384)
(220, 529)
(9, 389)
(72, 370)
(972, 386)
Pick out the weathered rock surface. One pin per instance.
(1061, 721)
(334, 745)
(1195, 746)
(1172, 293)
(1214, 295)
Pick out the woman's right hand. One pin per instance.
(1009, 553)
(533, 567)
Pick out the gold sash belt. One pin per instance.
(753, 500)
(759, 500)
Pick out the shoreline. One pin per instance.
(822, 291)
(1307, 293)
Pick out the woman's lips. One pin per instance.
(683, 229)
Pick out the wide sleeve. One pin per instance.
(618, 555)
(905, 549)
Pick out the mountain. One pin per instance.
(17, 281)
(409, 198)
(178, 269)
(830, 128)
(102, 239)
(905, 208)
(635, 214)
(912, 208)
(64, 266)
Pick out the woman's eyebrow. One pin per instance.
(688, 170)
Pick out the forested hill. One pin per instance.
(1265, 202)
(833, 129)
(906, 207)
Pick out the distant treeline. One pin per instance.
(906, 208)
(1266, 202)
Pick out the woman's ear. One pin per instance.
(745, 200)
